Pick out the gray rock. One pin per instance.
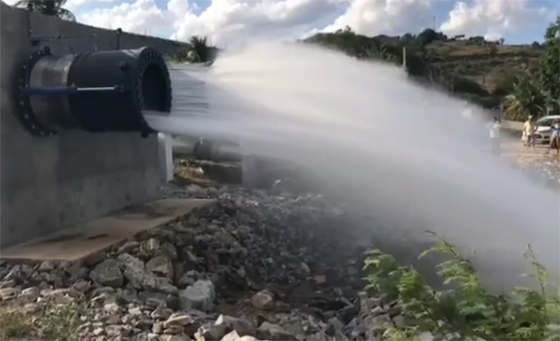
(241, 326)
(7, 284)
(107, 273)
(46, 266)
(29, 295)
(150, 247)
(212, 333)
(98, 331)
(376, 311)
(399, 320)
(128, 247)
(320, 279)
(187, 279)
(248, 338)
(272, 332)
(112, 308)
(178, 319)
(380, 323)
(140, 278)
(231, 336)
(146, 336)
(169, 250)
(200, 295)
(9, 293)
(175, 338)
(334, 325)
(262, 300)
(304, 269)
(173, 329)
(114, 319)
(196, 191)
(161, 266)
(161, 313)
(145, 323)
(82, 286)
(157, 328)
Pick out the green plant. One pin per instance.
(527, 99)
(60, 321)
(549, 66)
(464, 309)
(203, 52)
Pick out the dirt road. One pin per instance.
(533, 158)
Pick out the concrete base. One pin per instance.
(80, 242)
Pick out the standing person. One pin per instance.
(554, 137)
(529, 132)
(494, 130)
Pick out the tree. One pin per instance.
(527, 99)
(202, 51)
(51, 8)
(549, 68)
(427, 36)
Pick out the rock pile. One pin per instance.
(254, 267)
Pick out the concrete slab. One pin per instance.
(82, 241)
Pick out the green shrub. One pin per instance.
(464, 309)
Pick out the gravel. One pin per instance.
(256, 266)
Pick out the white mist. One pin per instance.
(400, 152)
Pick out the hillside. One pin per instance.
(480, 71)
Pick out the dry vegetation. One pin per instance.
(480, 71)
(49, 320)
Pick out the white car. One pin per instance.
(543, 132)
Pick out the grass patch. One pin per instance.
(15, 323)
(60, 322)
(51, 321)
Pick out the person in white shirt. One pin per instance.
(494, 130)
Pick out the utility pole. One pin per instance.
(404, 58)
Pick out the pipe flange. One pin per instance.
(24, 109)
(151, 56)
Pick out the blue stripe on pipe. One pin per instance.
(55, 91)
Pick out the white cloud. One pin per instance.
(228, 22)
(494, 18)
(373, 17)
(142, 17)
(73, 4)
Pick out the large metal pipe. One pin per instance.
(97, 91)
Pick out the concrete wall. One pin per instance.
(57, 182)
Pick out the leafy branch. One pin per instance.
(464, 310)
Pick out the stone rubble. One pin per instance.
(255, 266)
